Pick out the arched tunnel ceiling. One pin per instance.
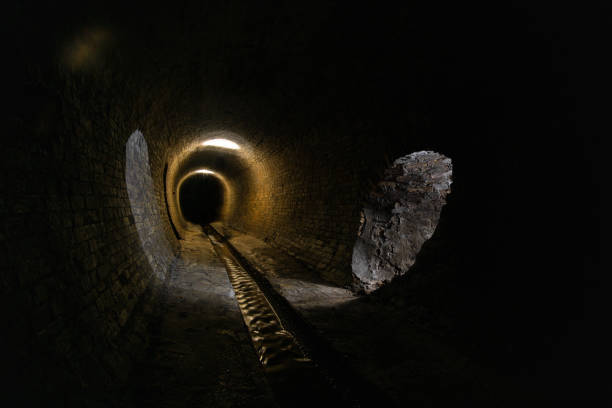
(245, 66)
(231, 163)
(235, 168)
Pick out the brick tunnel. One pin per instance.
(240, 205)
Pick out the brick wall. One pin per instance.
(76, 283)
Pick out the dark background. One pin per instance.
(201, 199)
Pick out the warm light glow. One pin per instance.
(204, 171)
(86, 49)
(227, 144)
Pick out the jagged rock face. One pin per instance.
(400, 214)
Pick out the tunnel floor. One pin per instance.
(202, 353)
(400, 353)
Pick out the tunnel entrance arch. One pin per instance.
(398, 216)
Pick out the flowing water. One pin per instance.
(296, 379)
(276, 347)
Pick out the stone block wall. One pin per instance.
(306, 203)
(76, 283)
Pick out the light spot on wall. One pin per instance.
(224, 143)
(143, 203)
(86, 49)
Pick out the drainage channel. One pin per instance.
(297, 380)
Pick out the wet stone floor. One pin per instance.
(201, 353)
(386, 344)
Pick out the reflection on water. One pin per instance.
(275, 346)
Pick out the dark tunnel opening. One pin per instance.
(201, 199)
